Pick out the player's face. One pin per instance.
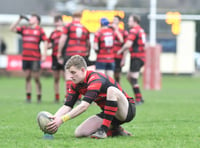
(115, 21)
(58, 23)
(130, 22)
(77, 75)
(33, 20)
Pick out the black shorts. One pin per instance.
(117, 65)
(56, 65)
(131, 114)
(136, 64)
(31, 65)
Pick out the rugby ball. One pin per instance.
(43, 119)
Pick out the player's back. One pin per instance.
(78, 37)
(105, 39)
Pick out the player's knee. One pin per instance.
(28, 78)
(37, 79)
(111, 90)
(56, 80)
(134, 81)
(78, 132)
(112, 93)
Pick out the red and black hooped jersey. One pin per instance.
(31, 38)
(118, 44)
(78, 39)
(94, 88)
(105, 39)
(138, 36)
(54, 39)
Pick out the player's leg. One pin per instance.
(110, 67)
(117, 106)
(56, 68)
(117, 71)
(133, 77)
(110, 73)
(36, 74)
(89, 126)
(28, 84)
(56, 74)
(27, 71)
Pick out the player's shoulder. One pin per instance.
(93, 76)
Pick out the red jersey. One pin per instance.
(78, 39)
(138, 36)
(105, 40)
(118, 44)
(31, 38)
(54, 39)
(94, 88)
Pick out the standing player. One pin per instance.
(117, 107)
(103, 46)
(135, 43)
(117, 46)
(32, 35)
(76, 36)
(56, 66)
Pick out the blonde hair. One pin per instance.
(76, 61)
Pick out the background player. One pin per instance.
(135, 43)
(31, 54)
(56, 66)
(76, 38)
(103, 46)
(117, 107)
(120, 33)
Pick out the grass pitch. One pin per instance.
(169, 118)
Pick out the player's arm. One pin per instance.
(62, 111)
(126, 46)
(95, 46)
(122, 63)
(61, 44)
(50, 41)
(45, 50)
(13, 26)
(119, 36)
(79, 109)
(50, 45)
(45, 39)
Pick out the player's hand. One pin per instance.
(119, 52)
(54, 125)
(122, 63)
(59, 58)
(23, 17)
(43, 58)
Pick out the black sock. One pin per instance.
(28, 96)
(138, 95)
(39, 97)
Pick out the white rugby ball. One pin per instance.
(43, 119)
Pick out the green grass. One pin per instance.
(168, 119)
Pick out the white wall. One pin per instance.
(183, 60)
